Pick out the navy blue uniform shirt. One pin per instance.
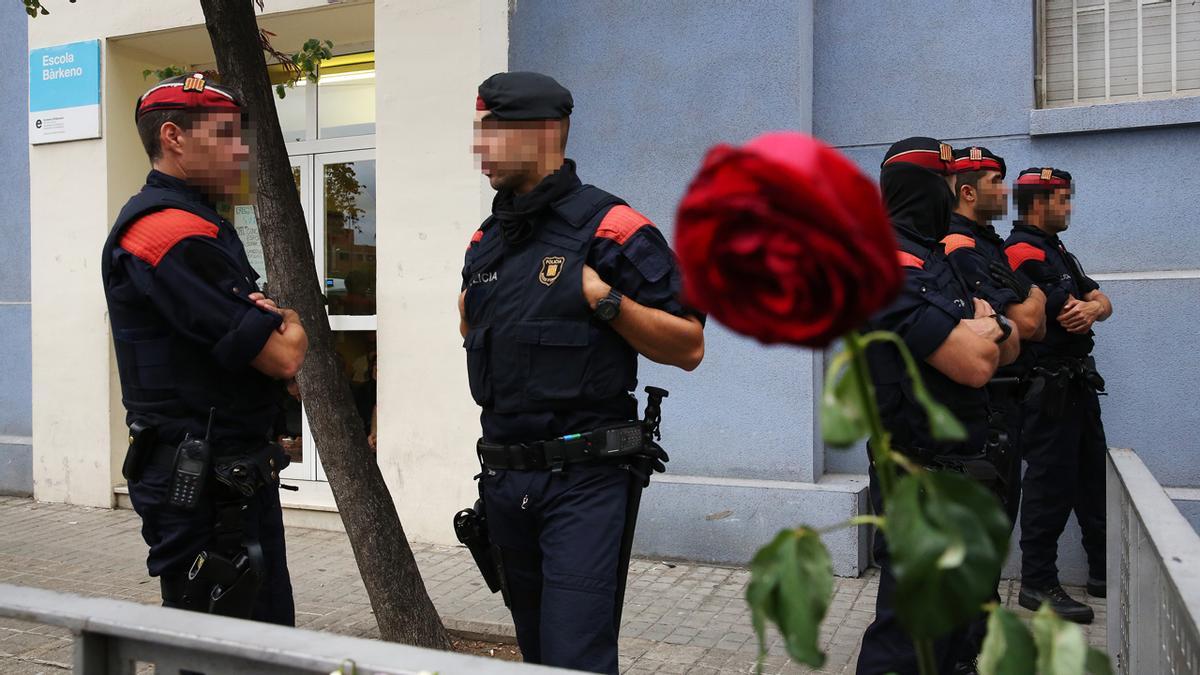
(1043, 258)
(970, 246)
(931, 303)
(539, 365)
(185, 330)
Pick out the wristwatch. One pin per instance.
(1005, 327)
(609, 306)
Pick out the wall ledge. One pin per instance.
(1115, 116)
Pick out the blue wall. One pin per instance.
(656, 84)
(16, 377)
(1133, 210)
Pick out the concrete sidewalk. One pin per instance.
(679, 618)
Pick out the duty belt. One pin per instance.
(609, 442)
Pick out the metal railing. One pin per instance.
(115, 637)
(1153, 575)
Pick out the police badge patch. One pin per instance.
(194, 83)
(551, 268)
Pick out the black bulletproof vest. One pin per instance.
(989, 245)
(1065, 271)
(937, 284)
(168, 380)
(532, 346)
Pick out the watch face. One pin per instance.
(606, 310)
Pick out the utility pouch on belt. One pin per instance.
(1053, 394)
(1091, 375)
(245, 474)
(227, 586)
(142, 438)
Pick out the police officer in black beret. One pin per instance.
(564, 286)
(1063, 438)
(958, 340)
(975, 248)
(202, 354)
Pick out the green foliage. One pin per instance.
(843, 418)
(1053, 647)
(791, 584)
(34, 8)
(947, 537)
(1008, 648)
(304, 64)
(166, 72)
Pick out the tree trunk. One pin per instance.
(398, 596)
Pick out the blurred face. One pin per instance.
(1058, 210)
(513, 154)
(211, 154)
(991, 197)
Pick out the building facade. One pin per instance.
(16, 443)
(381, 154)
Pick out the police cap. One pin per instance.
(1044, 178)
(922, 151)
(524, 95)
(976, 158)
(188, 92)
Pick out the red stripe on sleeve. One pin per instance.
(153, 235)
(910, 260)
(1021, 253)
(953, 242)
(621, 223)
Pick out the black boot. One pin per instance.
(1097, 588)
(1062, 604)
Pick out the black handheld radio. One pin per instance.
(192, 463)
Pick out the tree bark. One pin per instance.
(398, 596)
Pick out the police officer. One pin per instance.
(958, 341)
(201, 354)
(564, 285)
(977, 251)
(1063, 440)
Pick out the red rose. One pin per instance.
(785, 240)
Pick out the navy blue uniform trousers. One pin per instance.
(886, 648)
(559, 538)
(1064, 473)
(176, 536)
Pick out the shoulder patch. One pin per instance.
(621, 223)
(909, 260)
(953, 242)
(476, 238)
(1021, 253)
(153, 235)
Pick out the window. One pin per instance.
(1100, 51)
(341, 105)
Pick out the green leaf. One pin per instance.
(1008, 648)
(791, 582)
(947, 537)
(1098, 663)
(843, 418)
(280, 91)
(942, 423)
(1062, 649)
(843, 421)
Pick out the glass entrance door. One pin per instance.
(338, 190)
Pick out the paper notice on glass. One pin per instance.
(246, 225)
